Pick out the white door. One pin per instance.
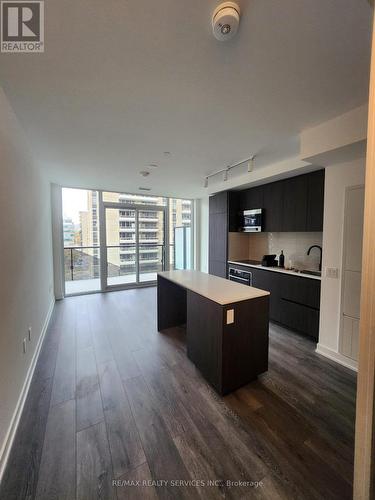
(352, 265)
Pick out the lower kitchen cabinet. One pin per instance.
(270, 282)
(294, 300)
(301, 318)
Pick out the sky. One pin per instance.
(74, 201)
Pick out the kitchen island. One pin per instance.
(226, 325)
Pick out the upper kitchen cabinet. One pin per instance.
(294, 213)
(218, 203)
(251, 198)
(273, 206)
(315, 200)
(234, 213)
(291, 205)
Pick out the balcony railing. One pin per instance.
(81, 263)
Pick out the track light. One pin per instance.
(250, 165)
(225, 171)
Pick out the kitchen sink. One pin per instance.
(313, 273)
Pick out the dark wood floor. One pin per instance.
(112, 399)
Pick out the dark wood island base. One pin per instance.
(226, 333)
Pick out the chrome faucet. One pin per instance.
(321, 252)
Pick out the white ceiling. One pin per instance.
(123, 81)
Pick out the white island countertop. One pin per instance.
(219, 290)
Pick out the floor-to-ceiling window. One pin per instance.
(81, 240)
(180, 239)
(118, 240)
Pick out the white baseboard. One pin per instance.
(336, 356)
(9, 437)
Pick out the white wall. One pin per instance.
(338, 178)
(336, 134)
(57, 241)
(26, 285)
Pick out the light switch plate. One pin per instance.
(230, 316)
(332, 272)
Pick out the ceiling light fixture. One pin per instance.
(144, 173)
(152, 165)
(167, 153)
(225, 171)
(144, 189)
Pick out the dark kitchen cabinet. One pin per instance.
(300, 318)
(273, 206)
(301, 290)
(270, 282)
(294, 213)
(234, 213)
(218, 203)
(218, 234)
(315, 200)
(224, 216)
(294, 300)
(217, 268)
(300, 304)
(251, 198)
(291, 205)
(218, 237)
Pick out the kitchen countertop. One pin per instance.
(274, 269)
(219, 290)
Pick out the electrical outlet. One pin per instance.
(332, 272)
(29, 333)
(230, 316)
(24, 346)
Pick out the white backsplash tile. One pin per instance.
(295, 246)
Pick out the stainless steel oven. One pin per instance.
(252, 220)
(239, 276)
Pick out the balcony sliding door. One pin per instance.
(134, 246)
(151, 231)
(121, 247)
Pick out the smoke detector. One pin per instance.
(225, 21)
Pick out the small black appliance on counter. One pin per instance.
(269, 261)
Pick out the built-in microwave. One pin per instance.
(252, 220)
